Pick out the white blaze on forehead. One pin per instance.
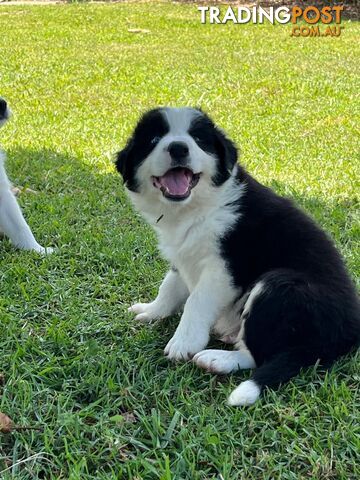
(179, 119)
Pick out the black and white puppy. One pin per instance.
(12, 222)
(246, 264)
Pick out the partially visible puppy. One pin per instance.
(12, 222)
(245, 263)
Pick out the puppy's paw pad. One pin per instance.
(245, 394)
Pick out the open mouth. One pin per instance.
(177, 183)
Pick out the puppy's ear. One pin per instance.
(227, 150)
(122, 160)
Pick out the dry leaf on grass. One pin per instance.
(129, 417)
(6, 424)
(126, 417)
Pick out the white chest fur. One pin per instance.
(189, 238)
(189, 234)
(192, 247)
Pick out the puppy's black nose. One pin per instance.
(178, 150)
(3, 107)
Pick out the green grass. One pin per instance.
(106, 402)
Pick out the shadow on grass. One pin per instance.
(79, 192)
(55, 172)
(63, 196)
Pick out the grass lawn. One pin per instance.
(105, 402)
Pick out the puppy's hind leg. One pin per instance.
(12, 222)
(279, 331)
(281, 368)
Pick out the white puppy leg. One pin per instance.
(12, 222)
(223, 361)
(211, 295)
(171, 297)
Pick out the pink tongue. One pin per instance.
(176, 181)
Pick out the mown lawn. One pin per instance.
(105, 402)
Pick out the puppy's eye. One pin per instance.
(197, 139)
(155, 140)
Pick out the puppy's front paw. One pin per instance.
(145, 312)
(184, 347)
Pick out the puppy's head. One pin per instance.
(4, 111)
(174, 153)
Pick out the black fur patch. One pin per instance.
(150, 129)
(309, 308)
(213, 141)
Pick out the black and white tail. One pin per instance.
(272, 373)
